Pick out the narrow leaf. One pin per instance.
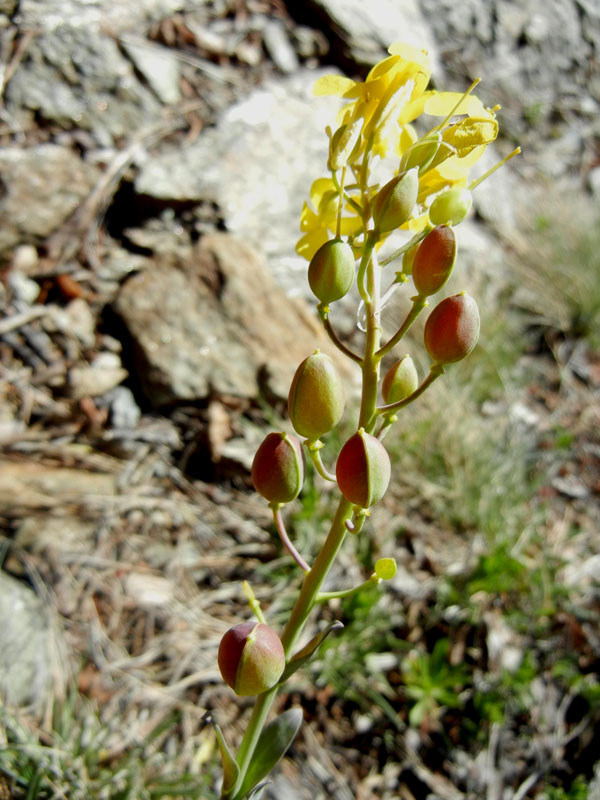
(308, 651)
(231, 768)
(272, 746)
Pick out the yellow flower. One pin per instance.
(377, 121)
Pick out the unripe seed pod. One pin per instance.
(434, 260)
(452, 329)
(331, 271)
(400, 380)
(422, 153)
(316, 398)
(451, 207)
(408, 259)
(251, 658)
(278, 468)
(363, 469)
(393, 204)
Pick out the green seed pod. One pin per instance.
(400, 380)
(421, 153)
(452, 329)
(344, 144)
(316, 398)
(331, 271)
(434, 260)
(450, 207)
(363, 469)
(393, 204)
(251, 658)
(278, 468)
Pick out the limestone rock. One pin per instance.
(215, 322)
(40, 188)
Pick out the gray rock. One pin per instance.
(41, 187)
(368, 29)
(26, 645)
(256, 165)
(215, 323)
(159, 66)
(79, 78)
(115, 15)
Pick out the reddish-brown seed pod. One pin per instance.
(452, 329)
(278, 468)
(400, 380)
(331, 271)
(251, 658)
(316, 397)
(363, 469)
(434, 260)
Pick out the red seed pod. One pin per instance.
(393, 204)
(452, 329)
(316, 398)
(278, 468)
(251, 658)
(400, 380)
(434, 260)
(363, 469)
(331, 271)
(451, 207)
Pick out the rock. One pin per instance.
(366, 30)
(159, 66)
(40, 188)
(256, 165)
(78, 78)
(27, 645)
(114, 15)
(214, 322)
(103, 374)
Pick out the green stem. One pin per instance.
(419, 303)
(314, 450)
(434, 372)
(323, 597)
(287, 542)
(323, 315)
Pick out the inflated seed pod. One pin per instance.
(450, 207)
(408, 259)
(400, 380)
(363, 469)
(394, 202)
(316, 397)
(421, 153)
(278, 468)
(251, 658)
(452, 329)
(434, 260)
(331, 271)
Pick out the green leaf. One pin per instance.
(300, 658)
(231, 768)
(272, 746)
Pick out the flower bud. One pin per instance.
(434, 260)
(278, 468)
(421, 153)
(331, 271)
(452, 329)
(400, 380)
(450, 207)
(251, 658)
(363, 469)
(393, 204)
(344, 144)
(316, 398)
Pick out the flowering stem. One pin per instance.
(405, 247)
(324, 597)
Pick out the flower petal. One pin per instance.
(332, 84)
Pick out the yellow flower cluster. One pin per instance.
(377, 121)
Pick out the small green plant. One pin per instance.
(346, 239)
(432, 683)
